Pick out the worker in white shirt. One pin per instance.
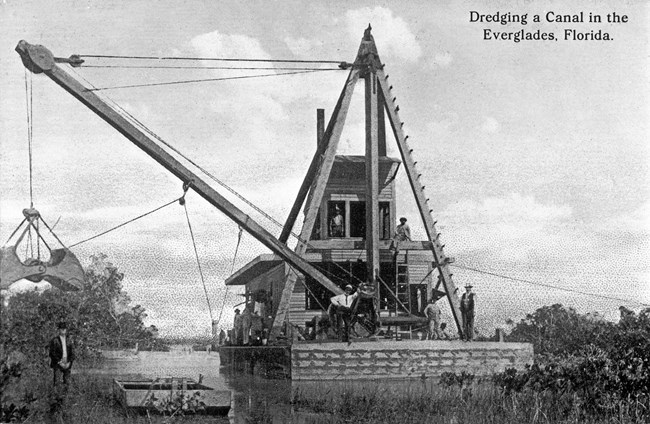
(340, 311)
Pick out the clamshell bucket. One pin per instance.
(62, 270)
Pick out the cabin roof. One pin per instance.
(319, 251)
(258, 266)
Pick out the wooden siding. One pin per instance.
(298, 315)
(346, 190)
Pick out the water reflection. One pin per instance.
(254, 399)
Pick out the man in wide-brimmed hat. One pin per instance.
(467, 310)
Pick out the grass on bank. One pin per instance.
(431, 402)
(87, 399)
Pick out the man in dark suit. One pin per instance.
(61, 353)
(467, 310)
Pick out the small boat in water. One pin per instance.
(171, 396)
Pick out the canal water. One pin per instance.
(254, 399)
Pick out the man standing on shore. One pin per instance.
(61, 354)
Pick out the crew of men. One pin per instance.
(249, 328)
(339, 313)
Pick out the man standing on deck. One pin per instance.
(237, 329)
(402, 233)
(467, 310)
(246, 323)
(61, 354)
(433, 312)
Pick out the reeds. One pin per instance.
(430, 402)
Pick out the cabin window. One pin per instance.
(336, 219)
(384, 221)
(358, 220)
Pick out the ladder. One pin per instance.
(402, 283)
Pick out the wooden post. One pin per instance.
(372, 180)
(330, 144)
(439, 257)
(381, 125)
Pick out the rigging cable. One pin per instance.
(240, 68)
(521, 280)
(122, 224)
(198, 262)
(221, 59)
(210, 79)
(232, 268)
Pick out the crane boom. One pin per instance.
(39, 59)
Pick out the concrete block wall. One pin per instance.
(404, 359)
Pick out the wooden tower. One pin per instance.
(379, 103)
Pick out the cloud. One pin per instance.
(216, 44)
(512, 209)
(490, 125)
(396, 39)
(441, 122)
(303, 47)
(636, 220)
(439, 60)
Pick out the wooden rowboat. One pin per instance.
(179, 396)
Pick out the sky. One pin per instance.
(535, 153)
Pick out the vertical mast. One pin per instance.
(372, 89)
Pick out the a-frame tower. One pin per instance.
(379, 103)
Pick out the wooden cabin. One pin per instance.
(339, 252)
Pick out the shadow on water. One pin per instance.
(254, 399)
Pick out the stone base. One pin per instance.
(266, 361)
(404, 359)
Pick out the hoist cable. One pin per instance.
(521, 280)
(155, 84)
(38, 241)
(123, 224)
(220, 59)
(232, 268)
(29, 102)
(198, 261)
